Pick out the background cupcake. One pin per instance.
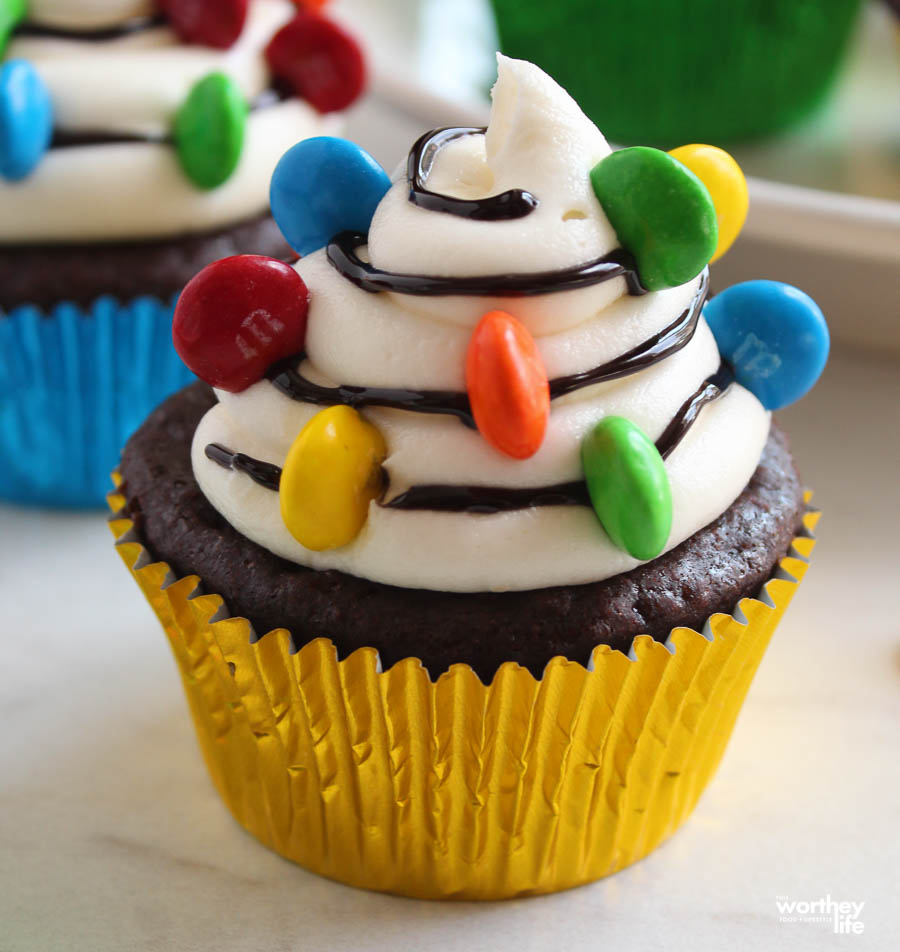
(497, 455)
(673, 71)
(136, 145)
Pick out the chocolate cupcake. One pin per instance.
(137, 145)
(487, 504)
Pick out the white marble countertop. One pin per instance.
(112, 837)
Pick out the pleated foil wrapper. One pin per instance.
(75, 383)
(451, 788)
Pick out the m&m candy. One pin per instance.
(331, 474)
(661, 213)
(237, 317)
(26, 119)
(209, 130)
(216, 23)
(321, 62)
(775, 337)
(726, 185)
(629, 486)
(322, 186)
(508, 387)
(12, 12)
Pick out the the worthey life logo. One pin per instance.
(843, 915)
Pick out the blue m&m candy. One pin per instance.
(774, 336)
(26, 119)
(323, 186)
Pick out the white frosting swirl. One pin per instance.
(540, 141)
(135, 83)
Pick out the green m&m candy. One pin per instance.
(209, 130)
(661, 212)
(12, 13)
(628, 485)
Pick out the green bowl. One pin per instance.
(668, 72)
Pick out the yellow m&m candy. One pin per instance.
(331, 475)
(726, 185)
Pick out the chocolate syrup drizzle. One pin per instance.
(343, 257)
(711, 389)
(512, 204)
(487, 500)
(656, 348)
(266, 474)
(134, 25)
(516, 203)
(63, 139)
(289, 381)
(492, 499)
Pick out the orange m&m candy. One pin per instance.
(508, 387)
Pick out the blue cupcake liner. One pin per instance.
(75, 383)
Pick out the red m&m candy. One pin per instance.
(508, 387)
(237, 317)
(215, 23)
(318, 60)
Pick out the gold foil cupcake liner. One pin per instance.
(452, 788)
